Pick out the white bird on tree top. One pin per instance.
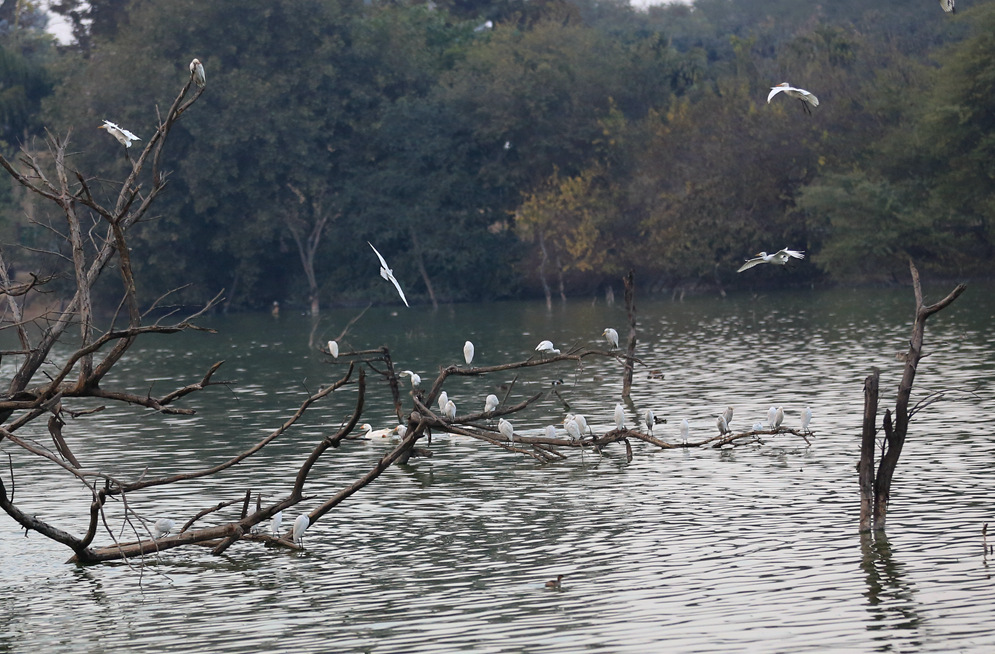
(804, 96)
(123, 136)
(388, 274)
(197, 73)
(780, 257)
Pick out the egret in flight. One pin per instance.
(197, 73)
(123, 136)
(506, 429)
(611, 336)
(162, 527)
(491, 402)
(333, 349)
(468, 352)
(274, 526)
(804, 96)
(781, 257)
(546, 347)
(948, 6)
(388, 274)
(300, 526)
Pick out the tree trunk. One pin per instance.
(865, 468)
(630, 307)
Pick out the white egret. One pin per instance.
(619, 416)
(414, 376)
(727, 414)
(197, 73)
(778, 417)
(507, 429)
(123, 136)
(491, 402)
(720, 422)
(402, 431)
(450, 410)
(468, 352)
(758, 426)
(771, 414)
(388, 274)
(685, 428)
(546, 347)
(802, 95)
(162, 527)
(333, 349)
(650, 420)
(948, 6)
(781, 257)
(274, 526)
(581, 422)
(550, 431)
(443, 398)
(376, 434)
(806, 419)
(573, 429)
(611, 336)
(300, 526)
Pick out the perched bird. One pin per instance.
(197, 73)
(573, 429)
(720, 422)
(758, 426)
(162, 527)
(506, 429)
(581, 422)
(450, 410)
(443, 398)
(490, 403)
(948, 6)
(727, 414)
(619, 416)
(611, 336)
(468, 352)
(685, 428)
(550, 431)
(333, 349)
(649, 419)
(546, 347)
(555, 583)
(807, 413)
(274, 526)
(771, 414)
(780, 258)
(388, 274)
(802, 95)
(778, 417)
(414, 376)
(401, 430)
(300, 526)
(123, 136)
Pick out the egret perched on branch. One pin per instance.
(197, 73)
(491, 402)
(274, 526)
(443, 398)
(650, 419)
(771, 415)
(333, 349)
(778, 417)
(780, 258)
(550, 431)
(723, 426)
(450, 410)
(162, 527)
(468, 352)
(573, 429)
(727, 414)
(546, 347)
(123, 136)
(507, 429)
(619, 416)
(388, 274)
(611, 336)
(581, 422)
(807, 413)
(300, 526)
(414, 376)
(685, 428)
(804, 96)
(948, 6)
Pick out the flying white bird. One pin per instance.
(491, 402)
(443, 398)
(804, 96)
(649, 419)
(948, 6)
(197, 73)
(388, 274)
(780, 258)
(685, 428)
(506, 429)
(123, 136)
(300, 526)
(333, 349)
(546, 347)
(807, 413)
(162, 527)
(619, 416)
(611, 336)
(778, 417)
(720, 422)
(450, 410)
(274, 526)
(727, 414)
(468, 352)
(414, 376)
(771, 414)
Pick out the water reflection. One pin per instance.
(891, 599)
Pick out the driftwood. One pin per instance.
(875, 489)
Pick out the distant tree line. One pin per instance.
(490, 148)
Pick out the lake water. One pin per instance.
(754, 548)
